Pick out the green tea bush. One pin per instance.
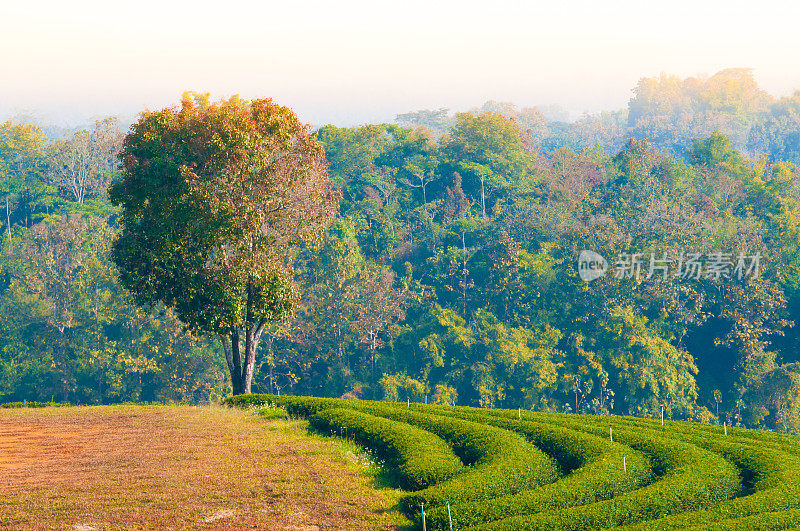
(501, 462)
(776, 481)
(418, 458)
(760, 522)
(598, 474)
(246, 401)
(692, 479)
(770, 475)
(680, 476)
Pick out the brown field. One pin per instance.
(179, 467)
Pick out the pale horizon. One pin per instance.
(357, 62)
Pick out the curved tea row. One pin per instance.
(499, 469)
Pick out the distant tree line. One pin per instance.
(452, 269)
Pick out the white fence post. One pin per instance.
(449, 516)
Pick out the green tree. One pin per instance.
(21, 162)
(83, 166)
(490, 151)
(215, 197)
(46, 279)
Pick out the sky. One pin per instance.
(352, 61)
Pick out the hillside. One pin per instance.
(511, 469)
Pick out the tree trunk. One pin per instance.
(62, 353)
(226, 346)
(253, 338)
(271, 363)
(236, 372)
(242, 369)
(8, 225)
(483, 200)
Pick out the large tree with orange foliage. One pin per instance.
(215, 199)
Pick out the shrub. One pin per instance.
(598, 474)
(14, 405)
(502, 462)
(419, 458)
(692, 479)
(245, 401)
(760, 522)
(770, 472)
(703, 480)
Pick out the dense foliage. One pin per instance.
(452, 271)
(674, 475)
(417, 458)
(213, 199)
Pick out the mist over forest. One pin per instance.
(452, 270)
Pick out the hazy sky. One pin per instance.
(353, 61)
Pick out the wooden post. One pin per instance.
(423, 517)
(662, 415)
(611, 433)
(726, 428)
(519, 413)
(625, 463)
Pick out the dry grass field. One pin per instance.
(181, 467)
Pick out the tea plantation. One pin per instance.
(467, 468)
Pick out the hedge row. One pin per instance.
(758, 438)
(692, 479)
(785, 495)
(760, 522)
(773, 477)
(15, 405)
(253, 400)
(767, 462)
(597, 473)
(419, 458)
(699, 471)
(772, 473)
(501, 462)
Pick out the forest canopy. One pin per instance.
(452, 270)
